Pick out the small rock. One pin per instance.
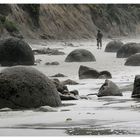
(68, 119)
(84, 97)
(63, 110)
(105, 74)
(60, 87)
(68, 96)
(52, 63)
(46, 109)
(69, 82)
(74, 92)
(59, 75)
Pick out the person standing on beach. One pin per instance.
(99, 39)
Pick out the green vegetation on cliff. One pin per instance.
(8, 25)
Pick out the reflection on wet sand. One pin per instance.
(94, 131)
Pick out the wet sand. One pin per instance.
(95, 116)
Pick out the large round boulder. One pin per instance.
(86, 73)
(15, 51)
(113, 46)
(133, 60)
(26, 87)
(136, 87)
(80, 55)
(109, 89)
(128, 49)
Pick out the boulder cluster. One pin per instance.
(63, 91)
(25, 87)
(130, 51)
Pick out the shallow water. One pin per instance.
(95, 116)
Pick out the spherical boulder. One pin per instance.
(86, 72)
(109, 89)
(128, 49)
(15, 51)
(133, 60)
(80, 55)
(26, 87)
(136, 87)
(113, 46)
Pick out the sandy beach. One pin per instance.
(93, 116)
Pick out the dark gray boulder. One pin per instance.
(52, 63)
(26, 87)
(128, 49)
(86, 72)
(59, 86)
(133, 60)
(106, 74)
(59, 75)
(45, 109)
(69, 82)
(80, 55)
(74, 92)
(90, 73)
(15, 51)
(136, 87)
(63, 91)
(109, 88)
(68, 97)
(113, 46)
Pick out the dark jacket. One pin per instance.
(99, 36)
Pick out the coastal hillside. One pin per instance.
(68, 21)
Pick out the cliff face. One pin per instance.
(68, 21)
